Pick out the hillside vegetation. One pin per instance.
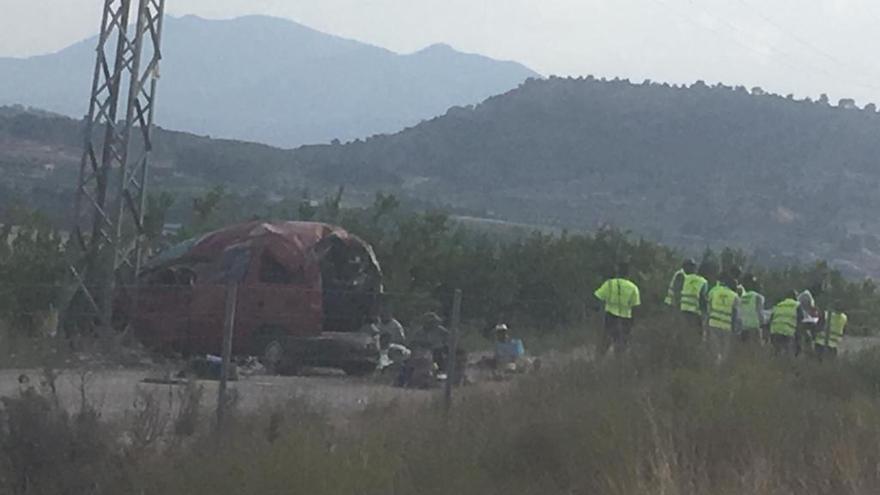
(690, 166)
(664, 418)
(40, 155)
(541, 284)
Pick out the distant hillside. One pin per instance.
(274, 81)
(40, 155)
(694, 167)
(691, 166)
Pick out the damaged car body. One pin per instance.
(305, 289)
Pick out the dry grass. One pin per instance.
(662, 420)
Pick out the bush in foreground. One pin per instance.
(661, 420)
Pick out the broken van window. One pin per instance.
(233, 265)
(273, 272)
(173, 276)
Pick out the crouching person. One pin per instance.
(508, 352)
(432, 339)
(392, 342)
(433, 336)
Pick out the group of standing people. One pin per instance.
(732, 309)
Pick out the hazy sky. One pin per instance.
(799, 46)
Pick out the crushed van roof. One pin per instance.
(290, 242)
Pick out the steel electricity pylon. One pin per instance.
(111, 189)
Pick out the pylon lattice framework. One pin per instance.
(108, 222)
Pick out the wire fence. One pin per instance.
(187, 317)
(232, 321)
(190, 317)
(286, 299)
(203, 319)
(340, 309)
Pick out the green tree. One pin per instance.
(32, 269)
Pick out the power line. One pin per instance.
(783, 53)
(699, 24)
(785, 57)
(800, 40)
(874, 16)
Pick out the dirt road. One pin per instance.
(114, 392)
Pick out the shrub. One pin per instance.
(663, 419)
(45, 450)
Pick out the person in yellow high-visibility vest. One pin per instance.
(723, 322)
(619, 296)
(785, 324)
(694, 298)
(752, 314)
(827, 341)
(673, 292)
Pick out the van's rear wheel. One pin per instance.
(269, 347)
(272, 357)
(359, 369)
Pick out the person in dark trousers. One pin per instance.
(695, 298)
(785, 325)
(618, 296)
(752, 314)
(673, 293)
(724, 318)
(735, 273)
(811, 318)
(433, 336)
(390, 330)
(827, 341)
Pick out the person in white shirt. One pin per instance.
(390, 330)
(809, 319)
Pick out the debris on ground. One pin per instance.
(209, 367)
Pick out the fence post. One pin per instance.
(452, 359)
(228, 330)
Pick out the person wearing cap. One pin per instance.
(673, 293)
(618, 296)
(753, 316)
(508, 351)
(827, 341)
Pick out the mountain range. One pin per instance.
(274, 81)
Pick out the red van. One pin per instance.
(305, 290)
